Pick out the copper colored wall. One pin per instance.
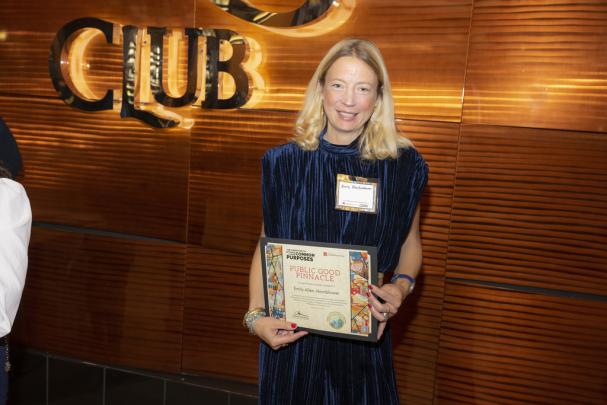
(143, 236)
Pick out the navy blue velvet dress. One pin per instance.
(298, 189)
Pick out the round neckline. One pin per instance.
(350, 149)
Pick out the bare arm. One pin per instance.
(255, 279)
(393, 294)
(410, 261)
(276, 333)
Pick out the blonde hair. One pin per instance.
(379, 139)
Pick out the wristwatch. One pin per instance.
(398, 276)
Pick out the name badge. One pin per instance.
(356, 194)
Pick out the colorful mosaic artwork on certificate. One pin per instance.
(275, 280)
(359, 286)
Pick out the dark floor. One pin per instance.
(39, 378)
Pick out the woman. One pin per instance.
(15, 229)
(347, 127)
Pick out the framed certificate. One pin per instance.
(321, 287)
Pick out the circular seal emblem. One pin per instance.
(336, 319)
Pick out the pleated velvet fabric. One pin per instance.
(298, 191)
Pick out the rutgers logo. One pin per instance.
(143, 95)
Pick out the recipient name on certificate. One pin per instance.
(321, 287)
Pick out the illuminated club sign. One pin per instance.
(143, 95)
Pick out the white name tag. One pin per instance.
(356, 194)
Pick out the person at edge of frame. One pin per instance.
(346, 126)
(15, 229)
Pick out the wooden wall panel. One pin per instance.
(216, 297)
(538, 64)
(529, 209)
(224, 225)
(104, 299)
(23, 69)
(415, 341)
(437, 142)
(507, 347)
(225, 175)
(49, 16)
(97, 171)
(426, 63)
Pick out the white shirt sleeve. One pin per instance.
(15, 228)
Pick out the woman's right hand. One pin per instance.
(277, 333)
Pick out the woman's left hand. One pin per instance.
(393, 297)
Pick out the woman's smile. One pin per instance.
(349, 96)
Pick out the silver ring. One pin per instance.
(385, 314)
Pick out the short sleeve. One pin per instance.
(417, 175)
(268, 188)
(420, 177)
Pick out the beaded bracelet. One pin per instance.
(251, 316)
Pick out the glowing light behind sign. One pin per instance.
(312, 18)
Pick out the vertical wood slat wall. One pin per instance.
(140, 251)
